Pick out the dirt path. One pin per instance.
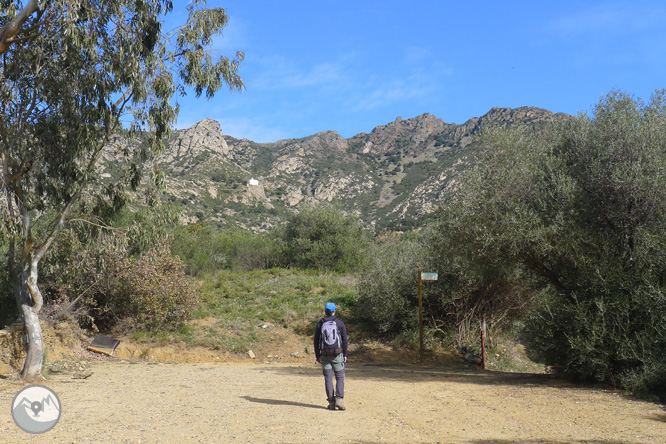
(125, 402)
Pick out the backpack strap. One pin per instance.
(319, 325)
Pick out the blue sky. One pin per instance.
(349, 66)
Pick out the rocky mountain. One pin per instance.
(393, 177)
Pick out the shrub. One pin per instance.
(469, 289)
(149, 292)
(200, 248)
(118, 276)
(206, 250)
(324, 237)
(388, 287)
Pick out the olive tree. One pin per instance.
(75, 76)
(582, 207)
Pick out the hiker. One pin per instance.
(330, 345)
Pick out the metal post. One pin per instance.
(420, 318)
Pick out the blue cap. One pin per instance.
(330, 307)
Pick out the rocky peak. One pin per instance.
(497, 116)
(325, 139)
(203, 136)
(513, 115)
(425, 123)
(415, 131)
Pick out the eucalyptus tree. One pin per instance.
(75, 76)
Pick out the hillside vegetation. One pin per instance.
(552, 233)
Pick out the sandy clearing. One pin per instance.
(125, 402)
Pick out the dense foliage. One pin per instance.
(388, 285)
(324, 237)
(148, 292)
(319, 237)
(470, 288)
(583, 209)
(206, 250)
(120, 274)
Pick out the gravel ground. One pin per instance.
(130, 402)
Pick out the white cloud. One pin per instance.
(609, 18)
(279, 73)
(613, 35)
(422, 84)
(389, 92)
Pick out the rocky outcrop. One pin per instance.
(255, 190)
(400, 133)
(524, 114)
(347, 187)
(327, 141)
(203, 136)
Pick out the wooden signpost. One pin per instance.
(483, 344)
(423, 276)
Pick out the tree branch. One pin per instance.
(13, 28)
(103, 227)
(16, 176)
(27, 37)
(60, 221)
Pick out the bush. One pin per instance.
(469, 289)
(325, 238)
(118, 276)
(206, 250)
(615, 338)
(474, 287)
(150, 292)
(388, 287)
(199, 247)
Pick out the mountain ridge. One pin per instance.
(393, 177)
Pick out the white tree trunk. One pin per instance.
(30, 302)
(32, 368)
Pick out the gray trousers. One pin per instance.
(334, 365)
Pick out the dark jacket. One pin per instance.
(342, 330)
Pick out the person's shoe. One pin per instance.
(331, 405)
(339, 404)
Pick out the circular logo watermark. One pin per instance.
(36, 409)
